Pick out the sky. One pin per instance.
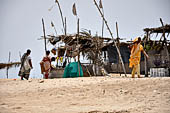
(21, 23)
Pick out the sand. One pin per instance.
(85, 95)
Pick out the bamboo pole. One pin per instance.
(101, 6)
(102, 22)
(78, 46)
(8, 62)
(20, 55)
(45, 43)
(146, 61)
(65, 27)
(118, 44)
(111, 36)
(52, 24)
(97, 56)
(117, 30)
(61, 14)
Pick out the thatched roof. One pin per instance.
(158, 29)
(85, 40)
(9, 65)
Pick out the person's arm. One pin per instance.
(145, 54)
(130, 46)
(30, 63)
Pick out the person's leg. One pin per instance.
(22, 77)
(27, 77)
(43, 75)
(138, 70)
(133, 71)
(46, 75)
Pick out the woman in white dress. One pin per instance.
(26, 65)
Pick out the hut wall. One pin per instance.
(153, 56)
(162, 57)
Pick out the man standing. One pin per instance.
(26, 65)
(135, 56)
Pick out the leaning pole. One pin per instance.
(123, 66)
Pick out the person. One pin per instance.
(53, 63)
(135, 56)
(26, 65)
(46, 63)
(53, 67)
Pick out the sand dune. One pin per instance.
(85, 95)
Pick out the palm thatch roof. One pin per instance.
(158, 29)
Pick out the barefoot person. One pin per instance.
(46, 63)
(135, 56)
(26, 65)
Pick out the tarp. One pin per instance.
(71, 70)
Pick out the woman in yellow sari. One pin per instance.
(135, 56)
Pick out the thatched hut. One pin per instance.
(159, 51)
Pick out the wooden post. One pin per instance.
(101, 6)
(117, 30)
(111, 36)
(118, 44)
(97, 55)
(77, 46)
(65, 27)
(45, 43)
(102, 22)
(7, 66)
(146, 61)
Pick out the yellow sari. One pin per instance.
(135, 55)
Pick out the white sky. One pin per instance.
(20, 23)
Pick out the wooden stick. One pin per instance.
(146, 61)
(102, 22)
(77, 45)
(44, 35)
(8, 62)
(52, 24)
(61, 14)
(117, 30)
(111, 36)
(118, 44)
(20, 55)
(65, 30)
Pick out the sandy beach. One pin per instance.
(85, 95)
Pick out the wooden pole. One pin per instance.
(60, 13)
(78, 46)
(102, 22)
(44, 35)
(165, 41)
(146, 61)
(52, 24)
(20, 55)
(118, 44)
(111, 36)
(65, 27)
(117, 30)
(97, 55)
(8, 62)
